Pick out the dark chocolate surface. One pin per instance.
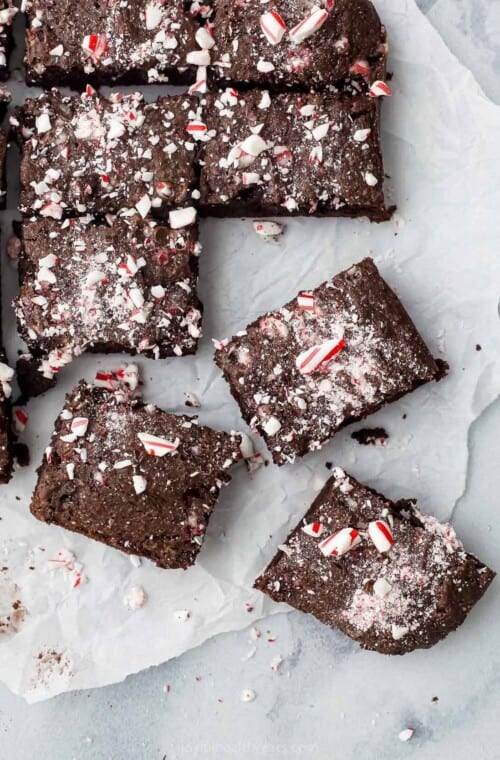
(99, 155)
(292, 154)
(393, 602)
(130, 286)
(131, 41)
(297, 407)
(351, 40)
(101, 478)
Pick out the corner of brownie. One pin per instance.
(129, 285)
(131, 475)
(385, 574)
(331, 356)
(6, 433)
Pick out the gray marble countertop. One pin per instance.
(190, 707)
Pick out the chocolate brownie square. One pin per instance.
(72, 42)
(384, 573)
(305, 154)
(3, 155)
(329, 357)
(6, 438)
(102, 155)
(129, 286)
(307, 44)
(131, 475)
(7, 13)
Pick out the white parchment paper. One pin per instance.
(441, 254)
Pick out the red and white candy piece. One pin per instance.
(313, 529)
(381, 535)
(268, 229)
(104, 380)
(95, 45)
(204, 39)
(340, 542)
(309, 25)
(361, 67)
(309, 361)
(379, 88)
(157, 446)
(20, 420)
(79, 426)
(273, 27)
(196, 128)
(305, 301)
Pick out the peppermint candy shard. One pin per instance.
(380, 88)
(340, 542)
(309, 361)
(309, 25)
(268, 229)
(79, 426)
(156, 446)
(273, 27)
(381, 535)
(313, 529)
(305, 301)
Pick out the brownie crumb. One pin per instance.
(479, 347)
(443, 367)
(21, 454)
(370, 436)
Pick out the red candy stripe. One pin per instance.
(305, 301)
(340, 542)
(380, 88)
(309, 361)
(381, 535)
(156, 446)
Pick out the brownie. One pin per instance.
(327, 358)
(6, 437)
(7, 13)
(30, 380)
(131, 41)
(130, 287)
(131, 475)
(101, 155)
(384, 573)
(3, 156)
(314, 154)
(261, 46)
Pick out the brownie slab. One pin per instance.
(306, 154)
(6, 437)
(384, 573)
(101, 155)
(131, 475)
(7, 13)
(128, 286)
(327, 358)
(308, 44)
(131, 41)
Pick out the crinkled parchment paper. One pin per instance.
(441, 253)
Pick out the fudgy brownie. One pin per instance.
(331, 356)
(6, 442)
(7, 13)
(128, 286)
(389, 576)
(101, 155)
(306, 154)
(72, 42)
(298, 43)
(3, 154)
(131, 475)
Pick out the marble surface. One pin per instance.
(321, 705)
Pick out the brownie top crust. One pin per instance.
(131, 475)
(293, 153)
(127, 286)
(387, 575)
(108, 42)
(101, 155)
(328, 357)
(298, 43)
